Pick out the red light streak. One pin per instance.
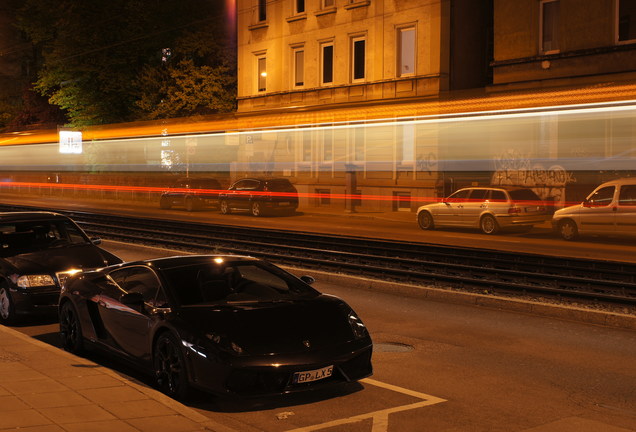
(160, 190)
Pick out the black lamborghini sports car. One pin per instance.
(224, 324)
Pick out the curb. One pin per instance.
(570, 313)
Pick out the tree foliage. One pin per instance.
(102, 59)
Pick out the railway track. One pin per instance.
(581, 280)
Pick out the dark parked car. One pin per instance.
(260, 196)
(191, 193)
(38, 250)
(223, 324)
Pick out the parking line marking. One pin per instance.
(380, 418)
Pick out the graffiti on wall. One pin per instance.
(514, 169)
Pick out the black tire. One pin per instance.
(164, 203)
(255, 209)
(171, 375)
(568, 230)
(488, 225)
(425, 220)
(224, 207)
(7, 308)
(71, 329)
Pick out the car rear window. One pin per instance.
(280, 186)
(523, 195)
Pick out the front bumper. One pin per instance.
(35, 301)
(273, 375)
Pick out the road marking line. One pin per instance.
(380, 418)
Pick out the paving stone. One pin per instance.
(113, 394)
(174, 423)
(12, 403)
(54, 400)
(22, 418)
(83, 414)
(138, 408)
(45, 385)
(101, 426)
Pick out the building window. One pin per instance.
(358, 143)
(549, 26)
(326, 60)
(626, 20)
(306, 137)
(327, 145)
(262, 10)
(358, 54)
(323, 196)
(262, 73)
(401, 201)
(299, 66)
(406, 51)
(328, 3)
(300, 6)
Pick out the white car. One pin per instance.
(487, 208)
(609, 210)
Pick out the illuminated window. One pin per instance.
(262, 10)
(358, 143)
(299, 66)
(306, 146)
(406, 51)
(327, 145)
(626, 20)
(262, 73)
(549, 26)
(326, 60)
(358, 54)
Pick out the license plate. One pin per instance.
(284, 203)
(312, 375)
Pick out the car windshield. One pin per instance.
(30, 236)
(234, 282)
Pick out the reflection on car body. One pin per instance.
(38, 250)
(225, 324)
(192, 194)
(260, 196)
(609, 210)
(487, 208)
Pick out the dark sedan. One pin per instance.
(223, 324)
(260, 196)
(37, 251)
(191, 194)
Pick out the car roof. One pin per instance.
(23, 216)
(184, 260)
(622, 181)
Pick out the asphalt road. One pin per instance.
(447, 367)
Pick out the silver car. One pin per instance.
(488, 208)
(609, 210)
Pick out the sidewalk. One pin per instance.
(45, 389)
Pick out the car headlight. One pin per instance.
(225, 344)
(357, 326)
(31, 281)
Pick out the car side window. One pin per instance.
(459, 196)
(141, 280)
(602, 197)
(627, 195)
(478, 195)
(497, 196)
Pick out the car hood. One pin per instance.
(59, 259)
(571, 210)
(266, 328)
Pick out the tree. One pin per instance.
(99, 55)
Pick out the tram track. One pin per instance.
(581, 280)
